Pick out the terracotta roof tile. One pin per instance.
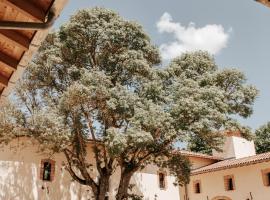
(232, 163)
(199, 155)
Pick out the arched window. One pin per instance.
(197, 187)
(221, 198)
(229, 183)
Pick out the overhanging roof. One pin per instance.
(265, 2)
(17, 46)
(233, 163)
(199, 155)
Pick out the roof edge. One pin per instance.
(247, 163)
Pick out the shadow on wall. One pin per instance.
(146, 183)
(138, 188)
(20, 164)
(18, 180)
(21, 181)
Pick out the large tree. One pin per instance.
(98, 78)
(262, 138)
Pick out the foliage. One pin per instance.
(97, 79)
(198, 144)
(262, 138)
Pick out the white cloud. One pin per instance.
(211, 38)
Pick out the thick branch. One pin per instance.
(90, 182)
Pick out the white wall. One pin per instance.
(20, 177)
(248, 180)
(147, 183)
(243, 147)
(236, 147)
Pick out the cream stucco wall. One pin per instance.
(198, 162)
(147, 183)
(248, 184)
(236, 147)
(20, 177)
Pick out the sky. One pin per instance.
(237, 33)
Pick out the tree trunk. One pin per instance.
(122, 193)
(104, 185)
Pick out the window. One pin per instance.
(229, 183)
(47, 170)
(197, 187)
(266, 177)
(162, 181)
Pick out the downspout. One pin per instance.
(14, 25)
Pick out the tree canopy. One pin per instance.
(262, 138)
(99, 77)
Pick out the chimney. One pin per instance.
(235, 146)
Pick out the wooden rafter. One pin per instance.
(3, 81)
(8, 61)
(27, 8)
(17, 46)
(15, 38)
(265, 2)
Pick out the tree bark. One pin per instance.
(104, 186)
(122, 193)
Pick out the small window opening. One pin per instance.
(161, 180)
(268, 179)
(47, 169)
(229, 183)
(197, 188)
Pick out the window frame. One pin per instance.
(42, 169)
(195, 184)
(229, 181)
(164, 181)
(266, 177)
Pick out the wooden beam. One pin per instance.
(27, 8)
(15, 38)
(8, 61)
(3, 81)
(265, 2)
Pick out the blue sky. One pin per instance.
(236, 32)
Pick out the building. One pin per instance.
(23, 26)
(240, 174)
(27, 173)
(234, 174)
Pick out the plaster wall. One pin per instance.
(236, 147)
(20, 177)
(147, 183)
(200, 162)
(243, 147)
(248, 184)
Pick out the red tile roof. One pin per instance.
(233, 163)
(199, 155)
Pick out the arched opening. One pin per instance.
(221, 198)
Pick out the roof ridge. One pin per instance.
(197, 154)
(233, 163)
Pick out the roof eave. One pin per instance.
(35, 43)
